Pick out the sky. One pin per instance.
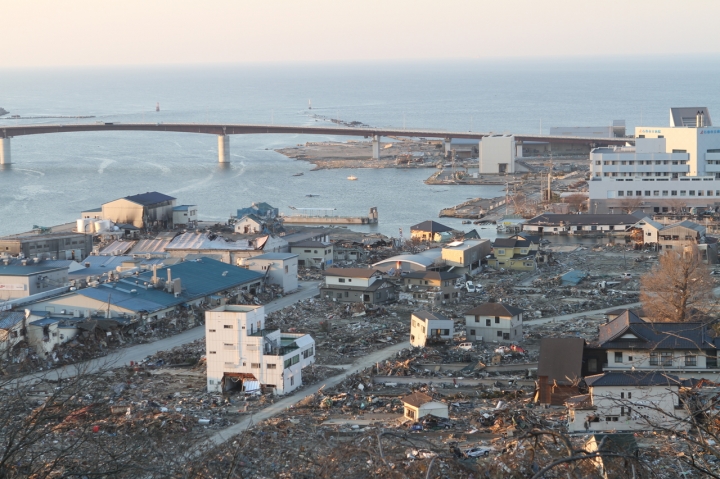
(53, 33)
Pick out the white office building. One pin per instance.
(667, 169)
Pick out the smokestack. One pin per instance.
(169, 275)
(154, 277)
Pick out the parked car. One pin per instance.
(470, 286)
(626, 275)
(478, 451)
(466, 346)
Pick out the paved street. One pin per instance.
(121, 357)
(595, 312)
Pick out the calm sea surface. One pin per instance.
(55, 176)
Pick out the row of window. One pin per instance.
(660, 359)
(669, 193)
(499, 334)
(642, 162)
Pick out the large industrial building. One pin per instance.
(669, 168)
(142, 211)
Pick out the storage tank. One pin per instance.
(82, 225)
(98, 226)
(106, 225)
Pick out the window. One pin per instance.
(211, 330)
(691, 360)
(228, 326)
(622, 396)
(666, 359)
(292, 381)
(499, 333)
(472, 332)
(307, 251)
(341, 280)
(296, 359)
(410, 413)
(618, 357)
(287, 363)
(255, 365)
(501, 251)
(654, 359)
(211, 352)
(488, 322)
(497, 319)
(629, 395)
(621, 193)
(477, 320)
(611, 418)
(271, 365)
(592, 365)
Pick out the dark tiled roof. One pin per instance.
(428, 316)
(556, 219)
(439, 275)
(310, 244)
(149, 198)
(511, 243)
(417, 399)
(351, 272)
(10, 319)
(494, 309)
(633, 378)
(430, 227)
(561, 359)
(654, 335)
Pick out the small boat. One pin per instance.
(298, 174)
(312, 196)
(352, 178)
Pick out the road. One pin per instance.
(121, 357)
(288, 401)
(461, 383)
(594, 312)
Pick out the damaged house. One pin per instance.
(357, 285)
(243, 355)
(429, 287)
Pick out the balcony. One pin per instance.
(261, 333)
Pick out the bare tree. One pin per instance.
(678, 288)
(577, 201)
(629, 205)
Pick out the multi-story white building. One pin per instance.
(629, 401)
(426, 326)
(667, 169)
(242, 353)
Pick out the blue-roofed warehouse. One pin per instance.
(154, 294)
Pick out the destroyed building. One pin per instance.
(427, 327)
(243, 355)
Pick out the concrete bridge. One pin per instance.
(224, 130)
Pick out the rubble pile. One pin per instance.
(342, 331)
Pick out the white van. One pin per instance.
(466, 346)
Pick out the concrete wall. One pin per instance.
(421, 330)
(496, 153)
(502, 328)
(318, 257)
(280, 272)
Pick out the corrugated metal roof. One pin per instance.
(151, 246)
(196, 241)
(149, 198)
(15, 268)
(117, 247)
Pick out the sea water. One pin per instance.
(55, 176)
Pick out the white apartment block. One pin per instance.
(241, 353)
(667, 167)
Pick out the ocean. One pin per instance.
(54, 177)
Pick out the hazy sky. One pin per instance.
(139, 32)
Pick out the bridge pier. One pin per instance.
(5, 151)
(376, 147)
(447, 143)
(223, 149)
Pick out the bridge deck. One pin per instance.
(239, 129)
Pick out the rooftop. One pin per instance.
(494, 309)
(352, 272)
(275, 256)
(149, 198)
(417, 399)
(633, 378)
(429, 316)
(430, 227)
